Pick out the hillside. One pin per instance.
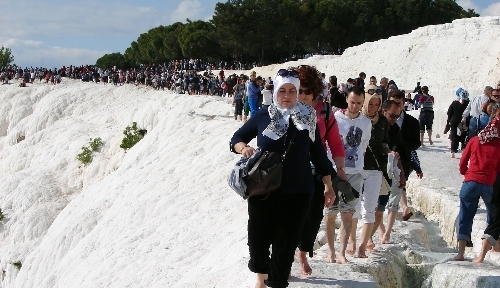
(161, 214)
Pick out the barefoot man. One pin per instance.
(355, 130)
(410, 133)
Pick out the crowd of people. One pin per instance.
(192, 76)
(370, 141)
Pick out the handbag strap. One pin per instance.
(375, 158)
(289, 145)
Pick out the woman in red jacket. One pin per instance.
(480, 165)
(311, 86)
(492, 232)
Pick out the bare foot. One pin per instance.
(385, 240)
(362, 255)
(459, 257)
(370, 246)
(305, 269)
(330, 258)
(341, 260)
(352, 249)
(406, 210)
(478, 260)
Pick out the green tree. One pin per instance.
(275, 30)
(197, 40)
(6, 57)
(172, 48)
(231, 27)
(113, 59)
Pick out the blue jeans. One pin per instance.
(469, 200)
(253, 106)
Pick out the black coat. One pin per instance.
(455, 112)
(410, 132)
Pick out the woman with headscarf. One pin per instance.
(278, 219)
(480, 165)
(311, 87)
(372, 204)
(454, 113)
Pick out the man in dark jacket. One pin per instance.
(392, 111)
(410, 132)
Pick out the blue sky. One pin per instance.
(56, 33)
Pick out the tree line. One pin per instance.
(272, 31)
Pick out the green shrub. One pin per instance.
(132, 136)
(18, 265)
(1, 215)
(95, 144)
(86, 155)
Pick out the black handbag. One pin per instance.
(265, 175)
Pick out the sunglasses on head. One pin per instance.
(306, 91)
(288, 73)
(373, 91)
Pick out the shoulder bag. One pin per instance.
(260, 174)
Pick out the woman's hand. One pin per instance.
(329, 196)
(341, 174)
(247, 151)
(244, 149)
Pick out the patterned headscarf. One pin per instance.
(490, 131)
(302, 115)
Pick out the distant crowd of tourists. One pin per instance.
(360, 134)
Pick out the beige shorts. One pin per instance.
(356, 181)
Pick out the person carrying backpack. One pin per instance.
(426, 117)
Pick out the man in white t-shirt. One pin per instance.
(355, 131)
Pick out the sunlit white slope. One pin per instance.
(154, 216)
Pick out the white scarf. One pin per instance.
(302, 115)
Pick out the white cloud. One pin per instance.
(39, 20)
(35, 53)
(492, 10)
(187, 9)
(468, 4)
(87, 30)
